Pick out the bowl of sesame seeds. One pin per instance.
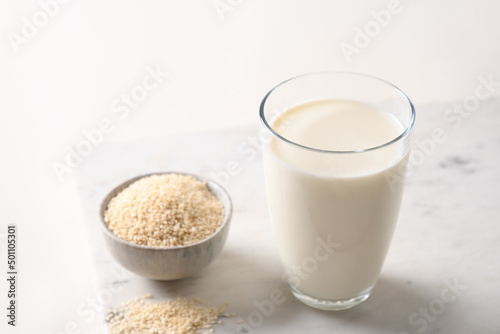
(166, 226)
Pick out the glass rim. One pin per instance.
(280, 137)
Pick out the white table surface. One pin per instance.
(441, 274)
(68, 74)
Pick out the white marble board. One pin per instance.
(442, 274)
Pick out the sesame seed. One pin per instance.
(179, 316)
(166, 210)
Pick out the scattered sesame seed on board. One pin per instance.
(179, 316)
(164, 210)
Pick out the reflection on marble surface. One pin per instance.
(442, 274)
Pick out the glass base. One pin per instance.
(331, 305)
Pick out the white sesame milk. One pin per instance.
(333, 214)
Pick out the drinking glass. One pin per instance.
(333, 211)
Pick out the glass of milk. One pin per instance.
(336, 147)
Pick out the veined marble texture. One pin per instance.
(442, 273)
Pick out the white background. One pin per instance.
(65, 78)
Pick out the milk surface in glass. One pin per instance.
(341, 201)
